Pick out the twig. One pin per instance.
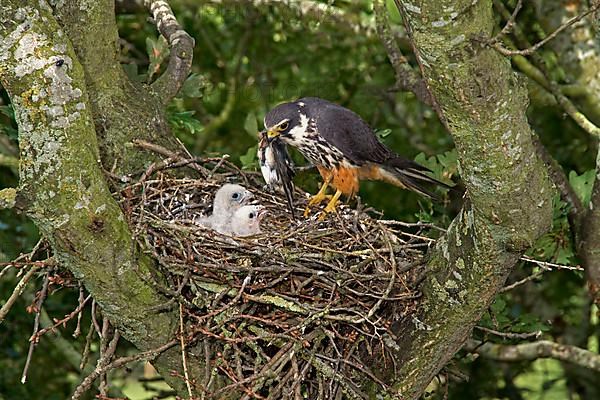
(119, 362)
(522, 281)
(36, 325)
(67, 318)
(567, 105)
(510, 23)
(183, 356)
(536, 350)
(406, 77)
(510, 335)
(77, 331)
(532, 49)
(18, 291)
(549, 266)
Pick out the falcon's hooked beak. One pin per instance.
(272, 134)
(275, 132)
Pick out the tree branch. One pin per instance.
(181, 46)
(536, 350)
(406, 77)
(62, 183)
(122, 109)
(509, 202)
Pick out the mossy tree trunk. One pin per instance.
(508, 201)
(77, 113)
(73, 104)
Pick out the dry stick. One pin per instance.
(521, 282)
(510, 23)
(548, 266)
(510, 335)
(18, 291)
(94, 320)
(119, 362)
(77, 331)
(532, 49)
(65, 319)
(86, 348)
(183, 356)
(536, 350)
(36, 324)
(570, 108)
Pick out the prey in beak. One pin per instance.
(277, 166)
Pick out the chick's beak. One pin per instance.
(261, 213)
(248, 197)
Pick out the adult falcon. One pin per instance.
(344, 149)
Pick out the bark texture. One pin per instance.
(62, 186)
(121, 108)
(483, 103)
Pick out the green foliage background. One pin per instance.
(248, 59)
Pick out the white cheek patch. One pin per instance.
(296, 134)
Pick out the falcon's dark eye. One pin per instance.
(235, 196)
(251, 215)
(284, 126)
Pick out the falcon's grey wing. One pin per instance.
(348, 132)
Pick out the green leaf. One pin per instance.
(194, 86)
(582, 185)
(250, 160)
(158, 51)
(184, 121)
(498, 306)
(383, 133)
(250, 125)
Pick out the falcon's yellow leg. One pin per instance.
(318, 198)
(331, 205)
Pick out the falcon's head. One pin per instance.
(287, 121)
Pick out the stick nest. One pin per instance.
(306, 309)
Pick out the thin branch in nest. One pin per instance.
(183, 355)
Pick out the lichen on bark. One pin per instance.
(508, 204)
(62, 185)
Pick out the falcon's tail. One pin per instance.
(410, 175)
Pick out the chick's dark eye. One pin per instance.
(251, 215)
(235, 196)
(284, 126)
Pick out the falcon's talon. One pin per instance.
(306, 212)
(316, 199)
